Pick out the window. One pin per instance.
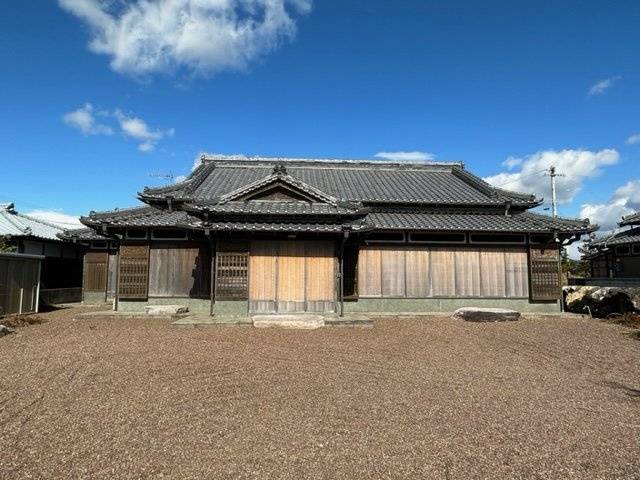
(168, 234)
(541, 239)
(496, 238)
(386, 237)
(444, 237)
(99, 245)
(137, 233)
(623, 250)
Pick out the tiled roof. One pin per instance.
(476, 221)
(355, 181)
(81, 234)
(633, 219)
(398, 219)
(620, 238)
(18, 225)
(145, 216)
(275, 208)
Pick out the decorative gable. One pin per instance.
(281, 187)
(278, 192)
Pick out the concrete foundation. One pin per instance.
(93, 298)
(423, 305)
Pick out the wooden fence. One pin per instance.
(19, 283)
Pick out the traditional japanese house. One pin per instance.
(243, 236)
(617, 255)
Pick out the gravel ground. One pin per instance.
(410, 398)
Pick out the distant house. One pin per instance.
(617, 255)
(62, 265)
(244, 236)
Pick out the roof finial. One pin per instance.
(279, 169)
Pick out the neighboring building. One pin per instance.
(62, 263)
(617, 255)
(242, 236)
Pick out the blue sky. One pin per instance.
(90, 112)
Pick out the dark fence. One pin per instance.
(19, 283)
(605, 282)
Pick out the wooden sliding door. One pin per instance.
(289, 276)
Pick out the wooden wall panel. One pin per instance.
(320, 271)
(417, 271)
(492, 266)
(369, 272)
(393, 272)
(467, 276)
(95, 271)
(179, 270)
(443, 281)
(291, 276)
(262, 266)
(516, 273)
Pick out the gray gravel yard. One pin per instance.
(411, 398)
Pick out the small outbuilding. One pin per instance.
(61, 272)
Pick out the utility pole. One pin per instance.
(554, 202)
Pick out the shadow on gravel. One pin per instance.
(632, 392)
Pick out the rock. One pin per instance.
(4, 330)
(165, 309)
(601, 301)
(305, 322)
(474, 314)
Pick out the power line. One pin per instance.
(520, 177)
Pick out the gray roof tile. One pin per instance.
(358, 181)
(17, 224)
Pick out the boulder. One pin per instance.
(4, 330)
(477, 314)
(601, 301)
(165, 309)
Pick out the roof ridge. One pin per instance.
(208, 158)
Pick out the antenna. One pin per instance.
(554, 202)
(168, 176)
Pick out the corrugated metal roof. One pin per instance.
(16, 224)
(362, 181)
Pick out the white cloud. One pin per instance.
(84, 119)
(203, 36)
(576, 166)
(57, 218)
(633, 139)
(511, 163)
(600, 87)
(138, 129)
(625, 200)
(405, 156)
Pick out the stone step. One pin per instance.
(305, 322)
